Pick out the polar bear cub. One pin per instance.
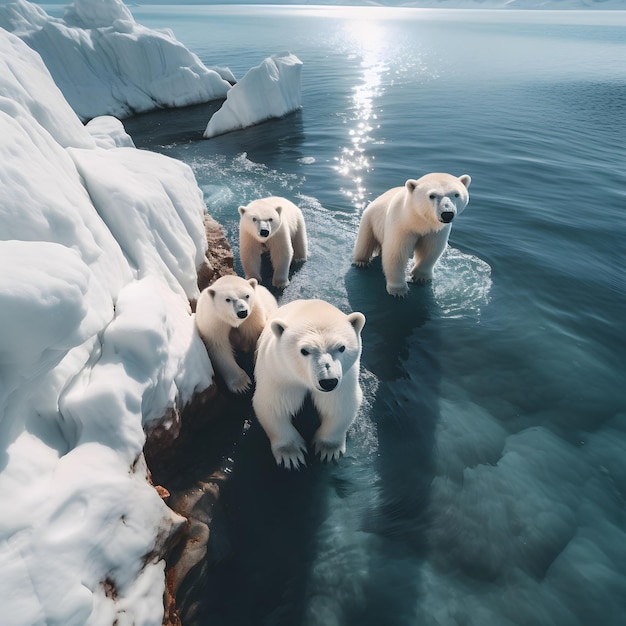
(308, 347)
(414, 219)
(276, 225)
(230, 315)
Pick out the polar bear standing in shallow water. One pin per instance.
(230, 315)
(414, 219)
(308, 347)
(276, 225)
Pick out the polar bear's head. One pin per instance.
(233, 298)
(261, 218)
(320, 344)
(439, 198)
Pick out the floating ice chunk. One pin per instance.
(107, 64)
(97, 13)
(225, 73)
(269, 90)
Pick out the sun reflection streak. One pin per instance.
(367, 42)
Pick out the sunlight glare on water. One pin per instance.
(367, 40)
(383, 59)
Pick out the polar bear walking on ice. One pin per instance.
(308, 347)
(230, 315)
(276, 225)
(413, 219)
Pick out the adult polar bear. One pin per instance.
(276, 225)
(414, 219)
(230, 315)
(308, 346)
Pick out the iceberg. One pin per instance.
(107, 64)
(100, 244)
(267, 91)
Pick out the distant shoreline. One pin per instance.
(507, 5)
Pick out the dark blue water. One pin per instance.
(485, 477)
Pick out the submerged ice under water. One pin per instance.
(485, 479)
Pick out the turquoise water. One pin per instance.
(485, 477)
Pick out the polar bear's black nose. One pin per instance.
(242, 314)
(264, 232)
(328, 384)
(447, 216)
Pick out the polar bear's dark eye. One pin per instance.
(271, 219)
(341, 348)
(254, 219)
(432, 196)
(247, 296)
(304, 352)
(456, 195)
(227, 299)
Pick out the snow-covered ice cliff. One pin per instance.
(99, 248)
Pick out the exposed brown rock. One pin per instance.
(219, 256)
(187, 546)
(196, 504)
(161, 434)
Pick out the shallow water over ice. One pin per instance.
(485, 479)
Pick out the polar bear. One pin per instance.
(308, 347)
(414, 219)
(230, 315)
(276, 225)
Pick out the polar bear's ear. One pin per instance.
(211, 292)
(358, 321)
(242, 210)
(278, 209)
(411, 185)
(466, 179)
(253, 282)
(278, 327)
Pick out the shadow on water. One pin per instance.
(263, 527)
(270, 142)
(272, 516)
(160, 128)
(400, 347)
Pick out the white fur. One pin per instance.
(411, 220)
(285, 240)
(230, 314)
(307, 346)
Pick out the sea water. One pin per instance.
(484, 481)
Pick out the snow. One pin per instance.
(99, 246)
(107, 64)
(269, 90)
(108, 132)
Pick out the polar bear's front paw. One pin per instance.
(290, 453)
(398, 291)
(240, 383)
(421, 279)
(280, 283)
(329, 450)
